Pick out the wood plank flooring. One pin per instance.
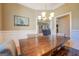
(66, 51)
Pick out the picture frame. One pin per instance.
(21, 21)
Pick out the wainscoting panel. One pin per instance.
(1, 37)
(16, 35)
(75, 38)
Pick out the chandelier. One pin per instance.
(44, 16)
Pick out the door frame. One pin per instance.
(61, 15)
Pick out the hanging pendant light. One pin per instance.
(52, 14)
(44, 15)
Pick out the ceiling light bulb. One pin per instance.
(43, 14)
(50, 18)
(52, 14)
(39, 17)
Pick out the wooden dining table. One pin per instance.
(41, 45)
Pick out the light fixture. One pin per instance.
(39, 17)
(52, 14)
(44, 16)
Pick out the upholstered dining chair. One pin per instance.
(8, 48)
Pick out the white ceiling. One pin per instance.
(42, 6)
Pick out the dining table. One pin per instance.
(41, 45)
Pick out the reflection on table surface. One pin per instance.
(41, 45)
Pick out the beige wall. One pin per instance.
(9, 10)
(0, 16)
(71, 7)
(1, 37)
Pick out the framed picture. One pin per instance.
(21, 21)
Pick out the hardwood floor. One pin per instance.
(65, 51)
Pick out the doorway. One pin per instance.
(63, 24)
(44, 28)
